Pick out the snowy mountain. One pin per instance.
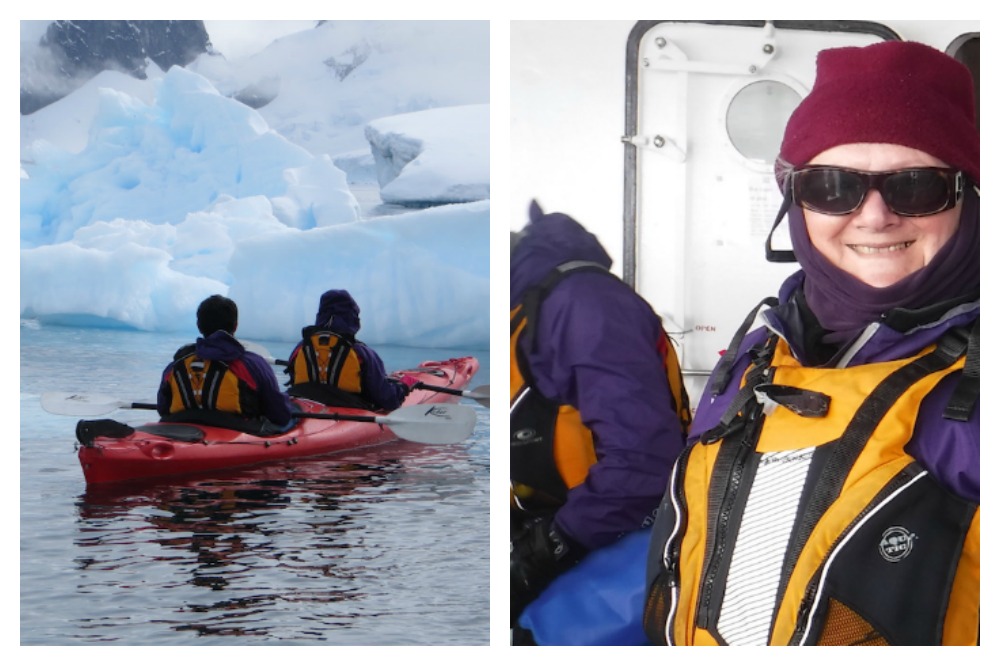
(71, 52)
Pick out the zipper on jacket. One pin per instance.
(707, 613)
(671, 550)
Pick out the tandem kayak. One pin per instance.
(110, 451)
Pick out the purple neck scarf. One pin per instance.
(845, 305)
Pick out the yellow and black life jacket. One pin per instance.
(551, 449)
(198, 384)
(327, 369)
(801, 520)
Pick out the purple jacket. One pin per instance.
(275, 405)
(949, 450)
(596, 351)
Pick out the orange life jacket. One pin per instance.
(203, 384)
(325, 357)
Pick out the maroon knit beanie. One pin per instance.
(904, 93)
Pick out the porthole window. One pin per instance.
(756, 118)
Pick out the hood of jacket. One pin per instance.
(219, 346)
(899, 333)
(338, 312)
(549, 240)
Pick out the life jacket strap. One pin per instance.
(725, 367)
(966, 394)
(534, 296)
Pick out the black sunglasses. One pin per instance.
(913, 192)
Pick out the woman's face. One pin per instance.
(872, 243)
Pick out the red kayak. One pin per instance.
(110, 451)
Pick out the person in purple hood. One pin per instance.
(218, 382)
(830, 492)
(332, 366)
(598, 408)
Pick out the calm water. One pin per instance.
(383, 546)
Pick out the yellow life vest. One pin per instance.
(801, 520)
(202, 384)
(551, 449)
(326, 358)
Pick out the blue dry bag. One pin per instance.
(597, 602)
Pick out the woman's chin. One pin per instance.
(881, 279)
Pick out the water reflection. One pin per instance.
(255, 544)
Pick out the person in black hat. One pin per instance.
(217, 381)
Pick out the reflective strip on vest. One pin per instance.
(747, 609)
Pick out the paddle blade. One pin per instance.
(480, 394)
(260, 350)
(80, 404)
(431, 423)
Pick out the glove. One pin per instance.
(538, 554)
(408, 381)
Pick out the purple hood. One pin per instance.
(339, 312)
(219, 346)
(550, 240)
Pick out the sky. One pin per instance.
(139, 199)
(239, 39)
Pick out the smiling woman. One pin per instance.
(811, 512)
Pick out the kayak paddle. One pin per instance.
(87, 404)
(430, 423)
(480, 394)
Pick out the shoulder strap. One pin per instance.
(725, 367)
(186, 350)
(535, 295)
(966, 394)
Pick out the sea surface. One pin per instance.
(383, 546)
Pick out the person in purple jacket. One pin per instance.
(830, 492)
(598, 409)
(332, 366)
(218, 382)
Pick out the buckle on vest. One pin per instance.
(806, 403)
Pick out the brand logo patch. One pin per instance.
(896, 543)
(523, 436)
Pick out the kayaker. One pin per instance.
(332, 366)
(217, 381)
(598, 410)
(830, 492)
